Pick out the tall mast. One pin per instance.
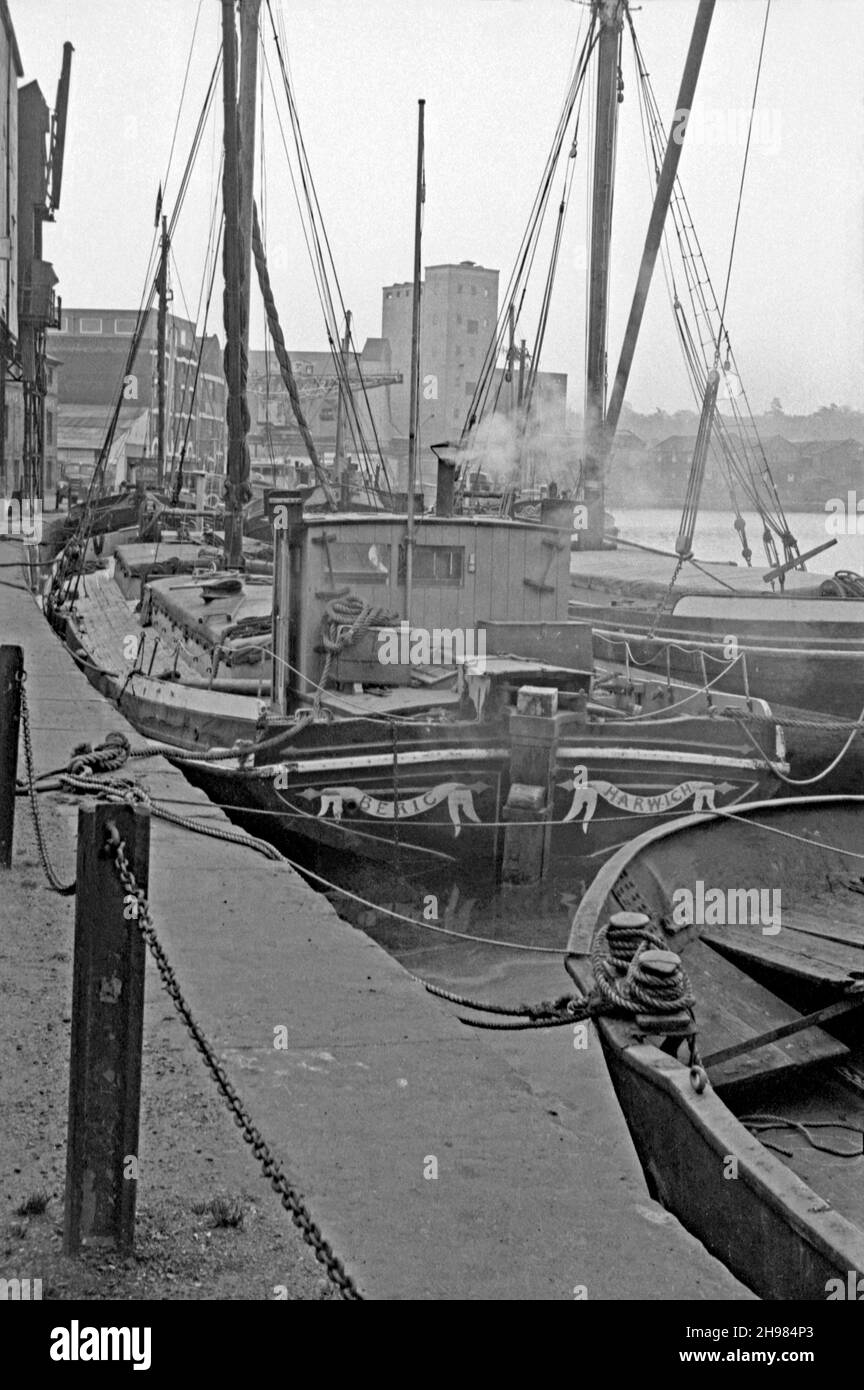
(161, 324)
(237, 490)
(609, 15)
(665, 185)
(249, 10)
(339, 453)
(415, 361)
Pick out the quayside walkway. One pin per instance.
(538, 1192)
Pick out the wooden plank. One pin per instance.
(827, 923)
(730, 1008)
(794, 953)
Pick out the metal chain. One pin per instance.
(65, 890)
(272, 1169)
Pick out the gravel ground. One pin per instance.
(208, 1227)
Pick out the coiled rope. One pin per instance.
(345, 617)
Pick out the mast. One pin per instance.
(662, 197)
(249, 10)
(237, 490)
(339, 453)
(511, 355)
(415, 361)
(609, 14)
(161, 324)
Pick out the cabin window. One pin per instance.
(91, 326)
(438, 564)
(359, 561)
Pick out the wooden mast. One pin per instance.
(339, 450)
(665, 185)
(161, 326)
(237, 490)
(413, 407)
(249, 10)
(609, 15)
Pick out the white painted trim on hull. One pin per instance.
(564, 755)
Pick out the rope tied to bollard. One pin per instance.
(635, 974)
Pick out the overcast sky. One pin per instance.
(493, 73)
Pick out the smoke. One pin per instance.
(511, 449)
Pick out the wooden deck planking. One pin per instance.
(731, 1008)
(807, 956)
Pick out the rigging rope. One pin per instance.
(282, 357)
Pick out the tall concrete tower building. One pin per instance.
(459, 314)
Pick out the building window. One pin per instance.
(389, 294)
(64, 324)
(438, 564)
(473, 325)
(485, 294)
(485, 323)
(124, 326)
(91, 326)
(49, 427)
(470, 388)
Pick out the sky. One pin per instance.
(493, 74)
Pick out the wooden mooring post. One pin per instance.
(11, 671)
(534, 730)
(107, 1028)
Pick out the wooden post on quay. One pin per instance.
(11, 671)
(107, 1027)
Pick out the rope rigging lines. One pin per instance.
(736, 444)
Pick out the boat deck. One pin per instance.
(642, 574)
(733, 1008)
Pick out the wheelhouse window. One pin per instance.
(438, 564)
(359, 561)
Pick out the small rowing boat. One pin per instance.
(724, 959)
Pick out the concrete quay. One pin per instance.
(538, 1193)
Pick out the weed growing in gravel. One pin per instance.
(34, 1204)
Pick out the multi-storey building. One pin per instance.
(32, 141)
(458, 321)
(94, 346)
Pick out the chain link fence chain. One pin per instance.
(64, 889)
(270, 1166)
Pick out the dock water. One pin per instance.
(538, 1193)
